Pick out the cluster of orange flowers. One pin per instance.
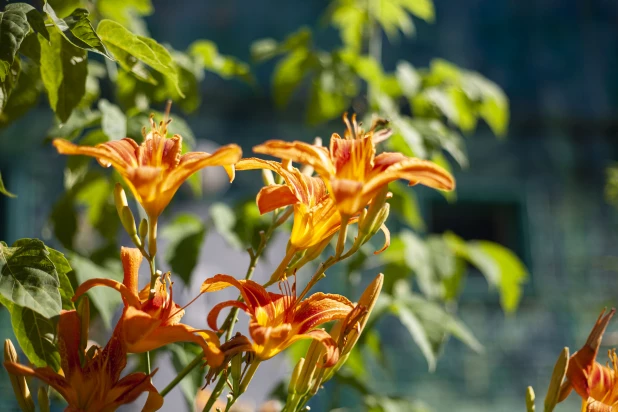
(338, 186)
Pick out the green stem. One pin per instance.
(343, 233)
(195, 362)
(216, 392)
(148, 367)
(228, 324)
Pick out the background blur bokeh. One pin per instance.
(540, 192)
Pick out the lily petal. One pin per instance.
(192, 162)
(130, 298)
(273, 197)
(299, 152)
(320, 308)
(129, 388)
(131, 261)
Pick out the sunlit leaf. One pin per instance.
(113, 120)
(502, 268)
(224, 221)
(289, 73)
(13, 29)
(64, 77)
(417, 332)
(122, 10)
(76, 29)
(225, 66)
(28, 277)
(185, 236)
(105, 299)
(130, 49)
(420, 8)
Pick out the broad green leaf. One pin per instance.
(502, 268)
(35, 19)
(420, 8)
(330, 96)
(182, 355)
(405, 204)
(28, 277)
(417, 332)
(266, 49)
(24, 95)
(225, 66)
(350, 20)
(288, 75)
(76, 29)
(9, 83)
(63, 268)
(13, 29)
(408, 78)
(185, 235)
(224, 221)
(437, 136)
(105, 299)
(63, 8)
(130, 49)
(393, 18)
(122, 10)
(113, 120)
(79, 120)
(64, 76)
(3, 189)
(35, 335)
(435, 320)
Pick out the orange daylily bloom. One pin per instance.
(279, 320)
(316, 218)
(597, 384)
(155, 169)
(150, 323)
(94, 385)
(352, 171)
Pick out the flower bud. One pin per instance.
(125, 214)
(18, 382)
(43, 399)
(557, 376)
(143, 229)
(530, 399)
(293, 385)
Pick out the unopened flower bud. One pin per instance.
(18, 382)
(125, 214)
(530, 399)
(143, 229)
(292, 386)
(557, 376)
(43, 399)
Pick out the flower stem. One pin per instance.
(343, 233)
(195, 362)
(228, 325)
(216, 392)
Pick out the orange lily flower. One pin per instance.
(96, 386)
(279, 320)
(595, 383)
(147, 324)
(316, 218)
(352, 171)
(155, 169)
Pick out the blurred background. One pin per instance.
(540, 192)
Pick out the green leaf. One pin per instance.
(182, 355)
(185, 235)
(35, 19)
(224, 221)
(63, 268)
(28, 277)
(288, 74)
(225, 66)
(7, 86)
(76, 29)
(24, 95)
(79, 120)
(123, 10)
(420, 8)
(266, 49)
(501, 268)
(64, 76)
(113, 120)
(408, 79)
(3, 189)
(130, 49)
(327, 100)
(350, 20)
(105, 299)
(417, 332)
(35, 335)
(405, 204)
(13, 29)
